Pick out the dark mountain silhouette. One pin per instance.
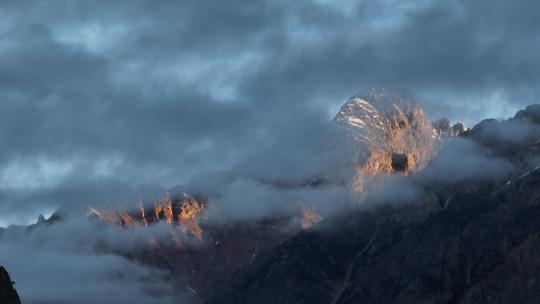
(475, 240)
(8, 294)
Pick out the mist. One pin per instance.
(63, 263)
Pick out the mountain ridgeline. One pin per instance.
(473, 239)
(458, 224)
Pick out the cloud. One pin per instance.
(61, 263)
(511, 132)
(146, 92)
(242, 199)
(464, 159)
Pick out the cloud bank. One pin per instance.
(154, 93)
(62, 263)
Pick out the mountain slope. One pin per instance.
(476, 240)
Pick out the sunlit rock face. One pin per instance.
(390, 133)
(183, 213)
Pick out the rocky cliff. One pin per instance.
(8, 294)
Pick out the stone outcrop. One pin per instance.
(442, 128)
(8, 294)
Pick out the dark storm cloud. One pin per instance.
(155, 92)
(460, 57)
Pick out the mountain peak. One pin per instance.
(371, 105)
(388, 100)
(390, 131)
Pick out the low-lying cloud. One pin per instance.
(62, 263)
(462, 159)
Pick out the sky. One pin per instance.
(98, 97)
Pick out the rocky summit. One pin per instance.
(383, 122)
(389, 131)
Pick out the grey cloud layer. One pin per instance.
(155, 92)
(62, 264)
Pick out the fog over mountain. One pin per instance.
(169, 144)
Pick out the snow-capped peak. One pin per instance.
(386, 126)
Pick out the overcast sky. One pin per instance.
(97, 96)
